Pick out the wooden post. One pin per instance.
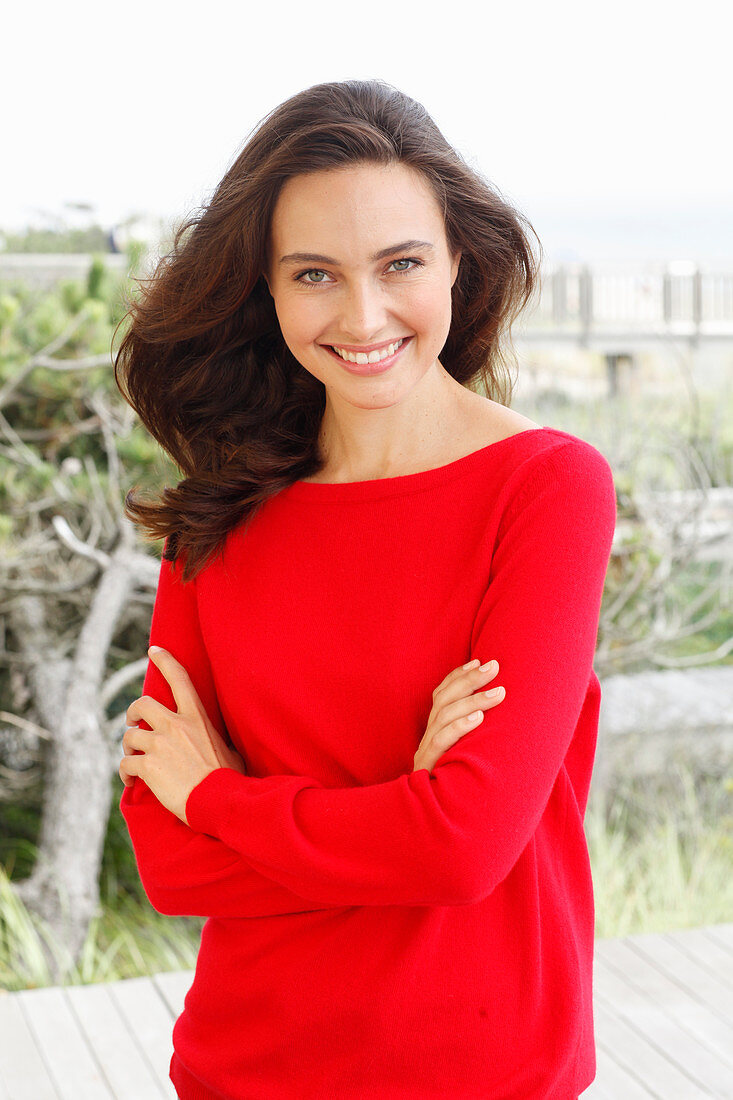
(667, 298)
(618, 381)
(585, 288)
(696, 305)
(612, 373)
(559, 296)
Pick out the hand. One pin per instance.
(453, 706)
(181, 748)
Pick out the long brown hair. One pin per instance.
(204, 363)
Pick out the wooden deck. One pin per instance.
(663, 1011)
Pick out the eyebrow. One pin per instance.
(313, 257)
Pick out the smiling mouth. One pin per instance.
(360, 363)
(371, 357)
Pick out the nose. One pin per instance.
(363, 312)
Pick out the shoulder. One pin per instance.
(539, 460)
(563, 486)
(538, 451)
(564, 460)
(565, 451)
(487, 421)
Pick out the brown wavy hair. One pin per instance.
(204, 363)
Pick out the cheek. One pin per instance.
(430, 311)
(308, 317)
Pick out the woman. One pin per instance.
(393, 864)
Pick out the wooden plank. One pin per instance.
(114, 1045)
(705, 951)
(696, 980)
(71, 1064)
(149, 1020)
(721, 934)
(23, 1071)
(173, 985)
(651, 1071)
(4, 1094)
(662, 988)
(677, 1044)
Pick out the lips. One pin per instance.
(356, 349)
(369, 368)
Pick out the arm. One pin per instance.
(184, 872)
(450, 836)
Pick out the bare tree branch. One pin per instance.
(114, 684)
(23, 723)
(69, 539)
(44, 358)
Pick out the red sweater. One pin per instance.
(376, 931)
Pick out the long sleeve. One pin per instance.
(449, 836)
(184, 872)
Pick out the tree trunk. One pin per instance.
(63, 888)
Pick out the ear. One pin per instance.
(454, 267)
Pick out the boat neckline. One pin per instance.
(402, 483)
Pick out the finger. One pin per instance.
(129, 768)
(449, 735)
(148, 710)
(184, 693)
(457, 673)
(462, 682)
(134, 738)
(457, 713)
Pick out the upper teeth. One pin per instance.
(372, 357)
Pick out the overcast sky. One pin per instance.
(607, 124)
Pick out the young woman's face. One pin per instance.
(374, 268)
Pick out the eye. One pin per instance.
(312, 271)
(321, 282)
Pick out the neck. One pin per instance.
(360, 444)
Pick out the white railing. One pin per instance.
(606, 304)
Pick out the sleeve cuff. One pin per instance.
(210, 804)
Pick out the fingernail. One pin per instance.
(471, 664)
(155, 649)
(487, 666)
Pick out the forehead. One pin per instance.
(374, 204)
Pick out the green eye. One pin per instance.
(322, 282)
